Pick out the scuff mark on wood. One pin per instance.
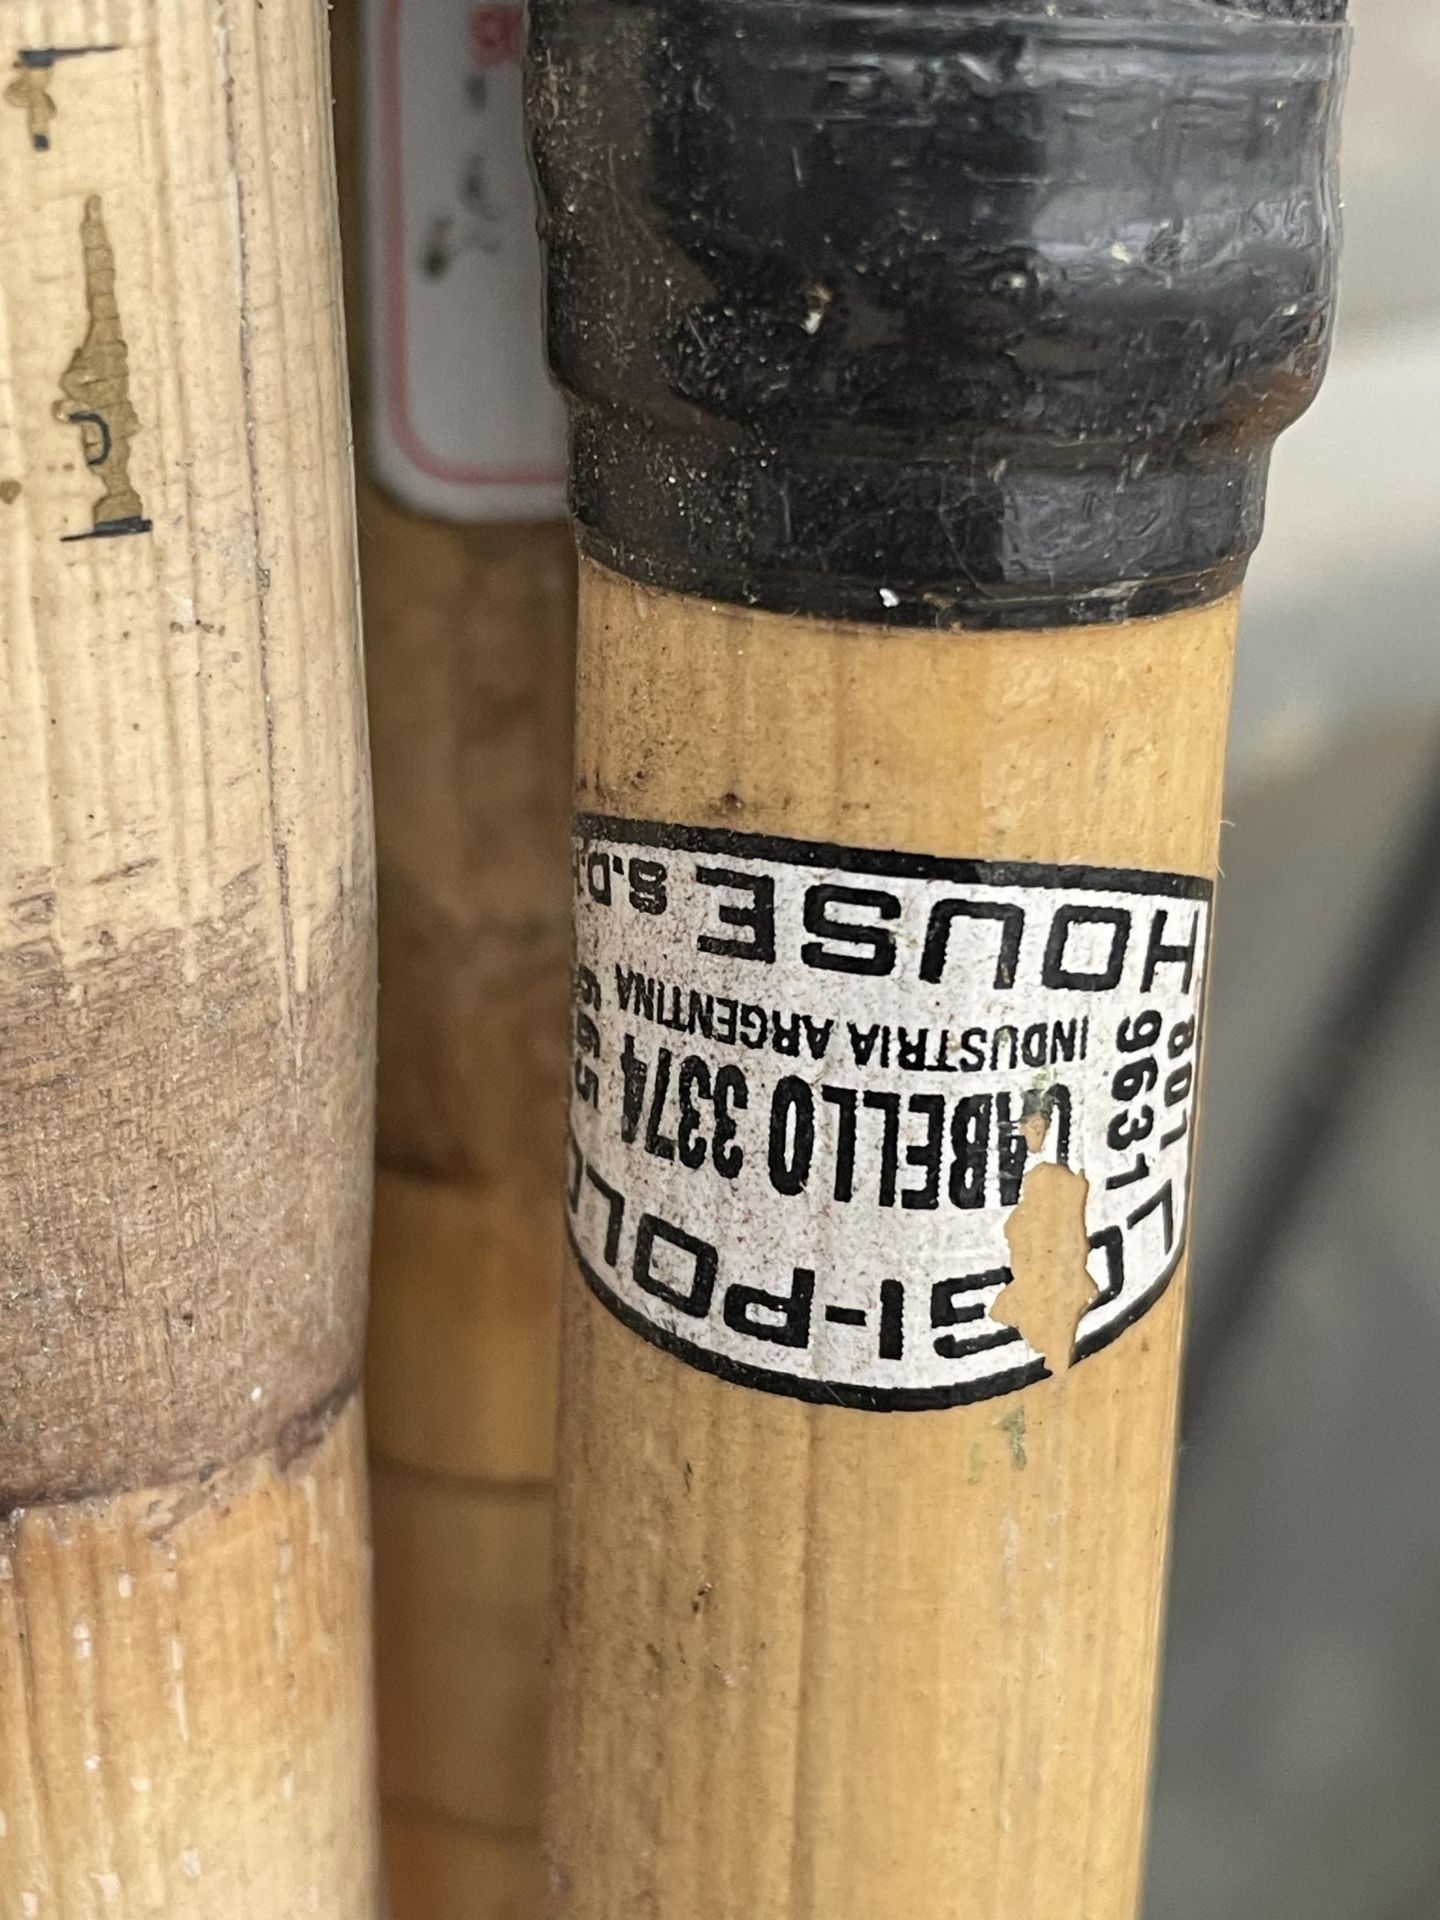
(30, 92)
(95, 388)
(30, 89)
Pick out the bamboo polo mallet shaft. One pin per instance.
(467, 574)
(186, 996)
(923, 365)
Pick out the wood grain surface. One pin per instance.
(186, 977)
(818, 1664)
(470, 662)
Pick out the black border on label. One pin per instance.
(883, 862)
(1102, 1337)
(880, 862)
(863, 1399)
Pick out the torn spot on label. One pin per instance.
(1049, 1258)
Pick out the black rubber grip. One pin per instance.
(935, 313)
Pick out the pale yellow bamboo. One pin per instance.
(819, 1664)
(470, 652)
(469, 649)
(186, 958)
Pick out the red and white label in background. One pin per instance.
(464, 422)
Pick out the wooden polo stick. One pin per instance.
(186, 997)
(923, 364)
(467, 572)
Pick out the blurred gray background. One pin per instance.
(1299, 1767)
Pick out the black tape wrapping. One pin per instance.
(938, 314)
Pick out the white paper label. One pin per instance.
(464, 422)
(811, 1082)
